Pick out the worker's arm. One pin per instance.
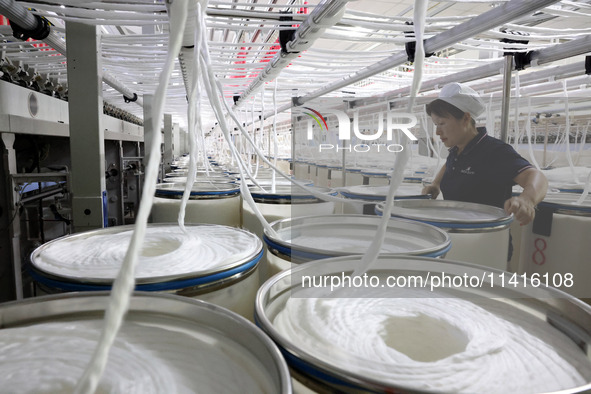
(434, 188)
(534, 185)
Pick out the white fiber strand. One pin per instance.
(192, 112)
(125, 281)
(397, 175)
(569, 157)
(530, 148)
(585, 190)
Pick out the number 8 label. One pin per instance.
(538, 256)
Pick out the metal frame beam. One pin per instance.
(326, 14)
(11, 217)
(167, 155)
(87, 148)
(24, 18)
(572, 48)
(505, 12)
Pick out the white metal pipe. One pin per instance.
(497, 16)
(251, 15)
(110, 80)
(326, 14)
(19, 14)
(554, 86)
(542, 56)
(507, 70)
(564, 71)
(562, 51)
(24, 18)
(494, 68)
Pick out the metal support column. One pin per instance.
(140, 174)
(185, 145)
(148, 132)
(176, 140)
(121, 190)
(148, 100)
(167, 154)
(294, 123)
(344, 164)
(507, 70)
(85, 107)
(10, 246)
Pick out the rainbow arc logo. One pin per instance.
(317, 117)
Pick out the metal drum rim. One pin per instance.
(93, 304)
(350, 377)
(149, 280)
(278, 225)
(200, 190)
(565, 208)
(284, 194)
(347, 193)
(212, 179)
(193, 285)
(503, 220)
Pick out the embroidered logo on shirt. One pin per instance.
(467, 171)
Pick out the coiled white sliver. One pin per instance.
(447, 214)
(99, 255)
(146, 358)
(561, 177)
(440, 344)
(357, 244)
(365, 190)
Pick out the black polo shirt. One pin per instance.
(483, 173)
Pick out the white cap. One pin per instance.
(463, 97)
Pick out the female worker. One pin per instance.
(480, 168)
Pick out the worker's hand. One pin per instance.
(522, 208)
(432, 189)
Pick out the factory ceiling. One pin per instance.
(333, 48)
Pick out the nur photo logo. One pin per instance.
(386, 122)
